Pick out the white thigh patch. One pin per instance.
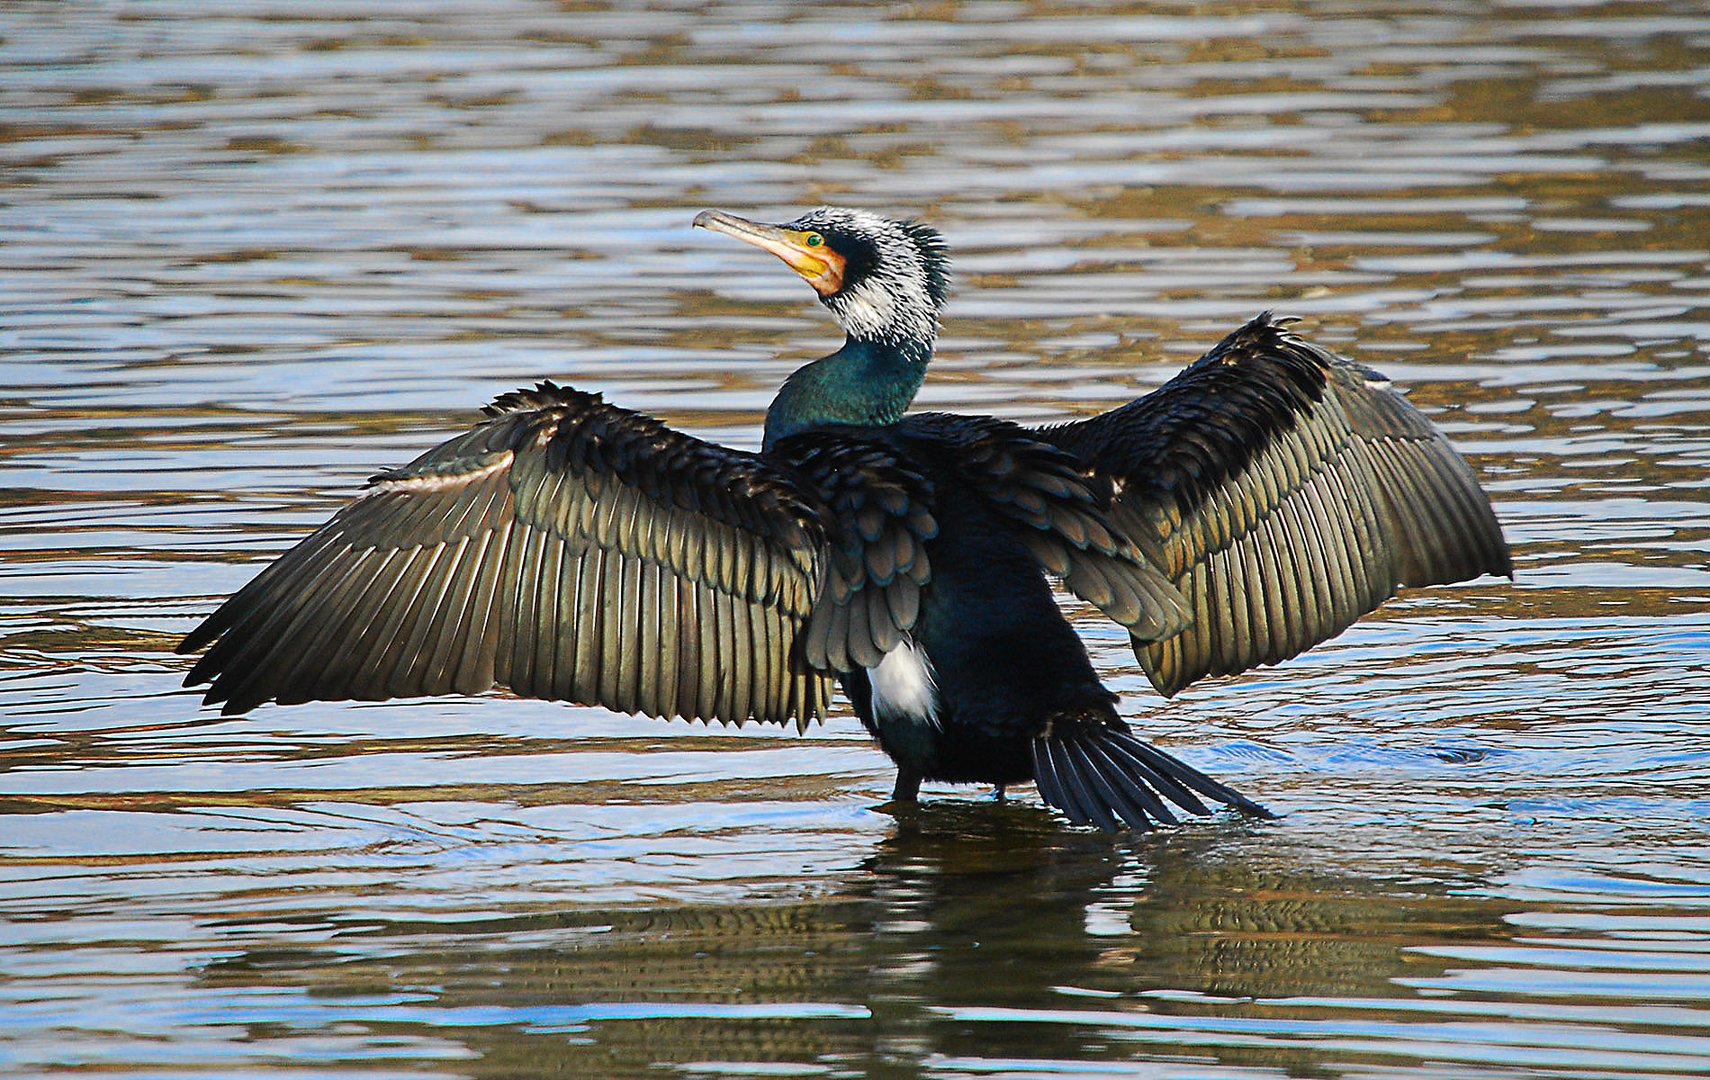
(905, 687)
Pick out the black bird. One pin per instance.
(569, 549)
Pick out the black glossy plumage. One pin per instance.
(1285, 491)
(573, 550)
(565, 548)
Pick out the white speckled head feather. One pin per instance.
(897, 277)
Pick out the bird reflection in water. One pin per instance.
(974, 931)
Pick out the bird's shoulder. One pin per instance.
(1018, 474)
(933, 458)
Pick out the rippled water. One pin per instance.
(251, 251)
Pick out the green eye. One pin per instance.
(814, 239)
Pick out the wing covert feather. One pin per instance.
(878, 521)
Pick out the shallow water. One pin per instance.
(249, 252)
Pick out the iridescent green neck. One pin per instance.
(865, 383)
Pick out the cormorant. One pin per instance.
(569, 549)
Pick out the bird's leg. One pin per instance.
(998, 793)
(908, 786)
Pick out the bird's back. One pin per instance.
(1002, 660)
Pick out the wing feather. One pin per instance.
(321, 649)
(563, 547)
(1285, 491)
(376, 581)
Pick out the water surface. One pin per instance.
(250, 252)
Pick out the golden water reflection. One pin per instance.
(250, 255)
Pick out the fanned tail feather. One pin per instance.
(1104, 776)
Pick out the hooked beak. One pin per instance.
(817, 264)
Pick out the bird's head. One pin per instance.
(883, 280)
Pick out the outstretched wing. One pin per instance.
(1286, 491)
(565, 548)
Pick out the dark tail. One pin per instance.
(1104, 776)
